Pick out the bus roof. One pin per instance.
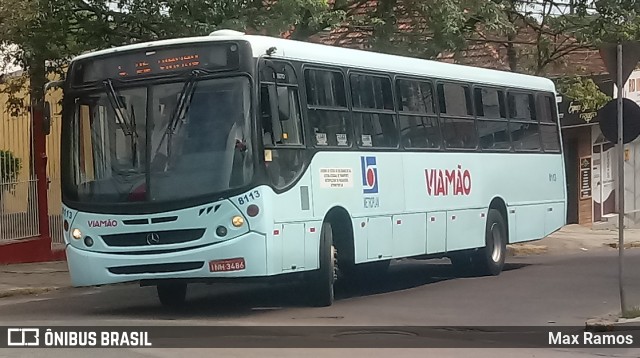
(331, 55)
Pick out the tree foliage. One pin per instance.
(534, 34)
(584, 91)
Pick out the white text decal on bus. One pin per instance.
(446, 182)
(336, 178)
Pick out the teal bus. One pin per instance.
(234, 157)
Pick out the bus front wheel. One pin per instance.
(320, 284)
(172, 294)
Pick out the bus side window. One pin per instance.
(373, 111)
(493, 128)
(549, 133)
(281, 121)
(456, 116)
(417, 118)
(280, 110)
(523, 125)
(327, 104)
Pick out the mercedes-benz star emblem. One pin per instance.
(153, 239)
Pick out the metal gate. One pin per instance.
(18, 194)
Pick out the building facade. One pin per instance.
(592, 163)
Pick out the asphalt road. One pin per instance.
(548, 290)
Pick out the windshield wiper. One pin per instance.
(184, 100)
(122, 116)
(127, 124)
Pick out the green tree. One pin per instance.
(584, 91)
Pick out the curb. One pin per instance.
(23, 291)
(526, 249)
(627, 245)
(612, 322)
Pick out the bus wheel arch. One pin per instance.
(501, 206)
(488, 260)
(335, 235)
(343, 236)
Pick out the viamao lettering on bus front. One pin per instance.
(448, 182)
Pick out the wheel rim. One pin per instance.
(334, 263)
(496, 235)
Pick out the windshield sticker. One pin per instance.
(342, 139)
(321, 138)
(366, 140)
(336, 178)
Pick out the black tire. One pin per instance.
(489, 261)
(172, 294)
(320, 283)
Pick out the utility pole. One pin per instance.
(615, 127)
(620, 85)
(572, 7)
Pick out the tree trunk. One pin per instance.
(37, 80)
(512, 54)
(383, 34)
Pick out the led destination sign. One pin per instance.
(167, 64)
(157, 61)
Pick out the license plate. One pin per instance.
(227, 265)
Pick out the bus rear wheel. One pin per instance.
(320, 283)
(172, 294)
(489, 261)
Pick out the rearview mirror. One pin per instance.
(46, 112)
(283, 103)
(46, 119)
(276, 126)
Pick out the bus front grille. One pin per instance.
(153, 237)
(156, 268)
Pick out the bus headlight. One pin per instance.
(76, 234)
(237, 221)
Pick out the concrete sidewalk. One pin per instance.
(576, 238)
(35, 278)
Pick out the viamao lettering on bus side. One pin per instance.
(448, 182)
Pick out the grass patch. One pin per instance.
(632, 313)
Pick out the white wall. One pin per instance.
(631, 90)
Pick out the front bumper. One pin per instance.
(89, 268)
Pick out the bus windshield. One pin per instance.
(161, 142)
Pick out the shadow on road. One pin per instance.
(219, 301)
(233, 301)
(406, 275)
